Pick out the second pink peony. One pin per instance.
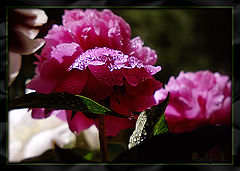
(197, 99)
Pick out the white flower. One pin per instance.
(24, 25)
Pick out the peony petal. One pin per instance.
(152, 70)
(134, 98)
(178, 123)
(72, 15)
(56, 36)
(98, 29)
(52, 71)
(40, 85)
(198, 99)
(61, 114)
(121, 38)
(55, 68)
(103, 74)
(139, 98)
(95, 89)
(145, 54)
(91, 55)
(86, 35)
(205, 79)
(79, 121)
(73, 83)
(65, 50)
(136, 75)
(38, 113)
(118, 105)
(221, 79)
(136, 44)
(111, 66)
(115, 124)
(160, 95)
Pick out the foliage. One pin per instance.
(63, 101)
(161, 126)
(150, 122)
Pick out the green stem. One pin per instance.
(103, 138)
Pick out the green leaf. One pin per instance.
(61, 101)
(161, 127)
(88, 156)
(149, 122)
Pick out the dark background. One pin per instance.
(176, 3)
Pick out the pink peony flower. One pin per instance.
(92, 54)
(197, 99)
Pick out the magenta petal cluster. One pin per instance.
(92, 54)
(197, 99)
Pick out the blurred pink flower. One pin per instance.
(92, 54)
(24, 25)
(197, 99)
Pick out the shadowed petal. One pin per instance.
(79, 121)
(115, 124)
(73, 83)
(38, 113)
(95, 89)
(40, 85)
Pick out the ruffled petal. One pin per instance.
(57, 64)
(64, 50)
(205, 79)
(56, 36)
(147, 55)
(86, 36)
(112, 67)
(98, 29)
(223, 115)
(198, 99)
(72, 16)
